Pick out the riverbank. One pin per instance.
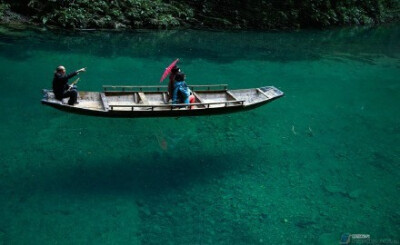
(135, 14)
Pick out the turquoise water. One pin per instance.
(322, 161)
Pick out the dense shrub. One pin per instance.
(110, 14)
(268, 14)
(3, 8)
(238, 14)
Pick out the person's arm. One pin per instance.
(70, 75)
(75, 73)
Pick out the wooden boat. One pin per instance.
(151, 101)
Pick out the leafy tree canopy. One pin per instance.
(234, 14)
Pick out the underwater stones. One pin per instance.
(310, 133)
(323, 213)
(304, 223)
(334, 189)
(395, 218)
(328, 239)
(355, 194)
(193, 141)
(2, 238)
(262, 217)
(145, 210)
(227, 196)
(157, 228)
(140, 203)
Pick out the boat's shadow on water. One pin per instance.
(135, 176)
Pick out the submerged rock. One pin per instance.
(328, 239)
(355, 194)
(145, 210)
(304, 223)
(2, 237)
(334, 189)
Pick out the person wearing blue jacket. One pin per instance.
(181, 91)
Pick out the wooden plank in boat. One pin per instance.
(143, 98)
(104, 101)
(271, 93)
(165, 97)
(231, 95)
(263, 93)
(198, 97)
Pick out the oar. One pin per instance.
(73, 83)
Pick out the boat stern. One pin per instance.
(46, 95)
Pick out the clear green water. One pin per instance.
(319, 162)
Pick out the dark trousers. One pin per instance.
(72, 94)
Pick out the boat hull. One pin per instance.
(139, 114)
(136, 104)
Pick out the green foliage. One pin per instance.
(238, 14)
(3, 8)
(110, 14)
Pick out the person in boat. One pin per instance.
(61, 89)
(182, 93)
(175, 70)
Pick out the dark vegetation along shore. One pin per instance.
(219, 14)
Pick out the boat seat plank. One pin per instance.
(165, 97)
(197, 97)
(230, 94)
(104, 101)
(262, 92)
(143, 98)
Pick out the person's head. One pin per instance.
(175, 69)
(60, 69)
(180, 77)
